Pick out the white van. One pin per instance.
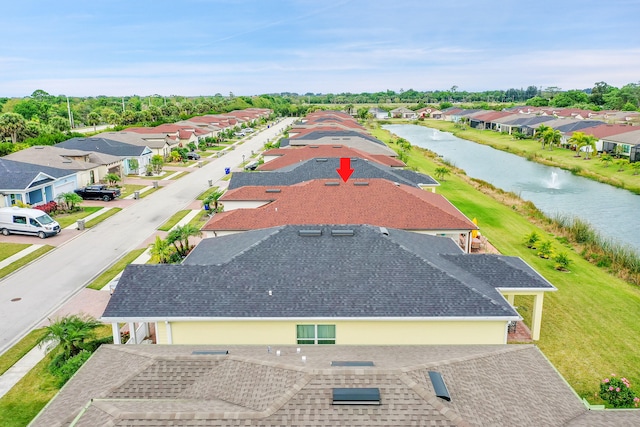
(27, 221)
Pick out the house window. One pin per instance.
(316, 334)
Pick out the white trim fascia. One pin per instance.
(309, 319)
(553, 289)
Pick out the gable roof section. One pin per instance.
(21, 176)
(135, 138)
(103, 145)
(313, 202)
(62, 158)
(157, 385)
(607, 130)
(289, 156)
(632, 138)
(578, 125)
(320, 169)
(373, 273)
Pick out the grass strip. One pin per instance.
(180, 175)
(589, 327)
(24, 260)
(22, 347)
(66, 220)
(150, 191)
(9, 249)
(102, 280)
(171, 222)
(206, 194)
(128, 189)
(97, 220)
(200, 220)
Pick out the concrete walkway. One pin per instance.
(26, 251)
(20, 369)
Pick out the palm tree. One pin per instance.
(552, 137)
(538, 134)
(441, 172)
(112, 178)
(187, 231)
(12, 124)
(71, 333)
(606, 159)
(93, 119)
(161, 251)
(213, 198)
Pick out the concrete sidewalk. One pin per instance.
(20, 369)
(26, 251)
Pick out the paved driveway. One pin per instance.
(32, 293)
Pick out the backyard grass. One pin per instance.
(66, 220)
(589, 327)
(102, 280)
(97, 220)
(24, 260)
(9, 249)
(171, 222)
(22, 347)
(559, 157)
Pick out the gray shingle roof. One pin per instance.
(103, 145)
(19, 175)
(368, 274)
(320, 169)
(492, 385)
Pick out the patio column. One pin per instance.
(132, 333)
(511, 298)
(115, 329)
(169, 332)
(536, 320)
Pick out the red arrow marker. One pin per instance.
(345, 170)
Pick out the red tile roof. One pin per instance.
(289, 156)
(379, 202)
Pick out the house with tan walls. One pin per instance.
(326, 284)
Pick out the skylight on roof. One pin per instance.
(352, 363)
(272, 190)
(310, 233)
(356, 396)
(342, 232)
(439, 386)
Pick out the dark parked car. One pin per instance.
(98, 192)
(193, 156)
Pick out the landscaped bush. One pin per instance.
(48, 208)
(617, 392)
(63, 370)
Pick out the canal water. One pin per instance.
(614, 212)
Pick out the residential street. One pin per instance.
(31, 294)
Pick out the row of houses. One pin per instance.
(294, 231)
(39, 174)
(321, 301)
(614, 130)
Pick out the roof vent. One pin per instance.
(356, 396)
(314, 146)
(342, 232)
(439, 386)
(213, 352)
(321, 160)
(272, 190)
(310, 233)
(337, 146)
(39, 147)
(361, 183)
(352, 363)
(384, 231)
(332, 184)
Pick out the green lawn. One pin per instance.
(9, 249)
(560, 157)
(206, 193)
(180, 175)
(24, 260)
(200, 220)
(66, 220)
(102, 280)
(590, 326)
(15, 353)
(171, 222)
(128, 189)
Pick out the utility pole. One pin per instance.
(70, 115)
(123, 104)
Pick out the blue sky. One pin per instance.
(248, 47)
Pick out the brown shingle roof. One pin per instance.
(375, 201)
(151, 385)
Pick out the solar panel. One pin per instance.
(439, 386)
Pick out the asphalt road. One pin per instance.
(29, 295)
